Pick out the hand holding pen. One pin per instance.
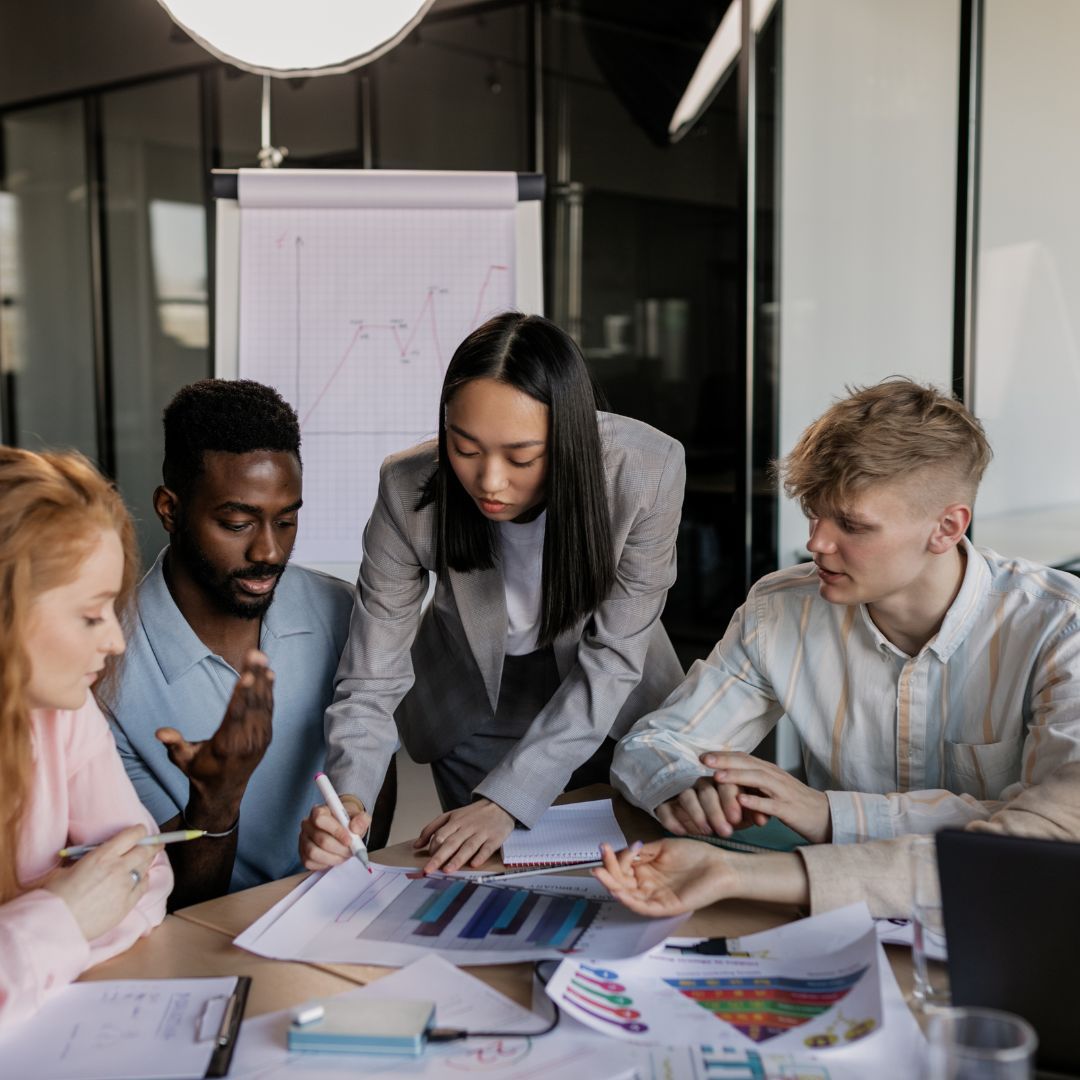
(332, 833)
(101, 888)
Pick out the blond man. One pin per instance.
(929, 681)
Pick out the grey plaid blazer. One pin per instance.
(438, 673)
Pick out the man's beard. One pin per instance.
(218, 586)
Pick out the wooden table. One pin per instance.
(228, 916)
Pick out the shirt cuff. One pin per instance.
(524, 808)
(670, 781)
(857, 817)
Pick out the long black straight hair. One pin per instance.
(536, 357)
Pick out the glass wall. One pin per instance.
(46, 320)
(868, 205)
(156, 249)
(643, 236)
(1027, 336)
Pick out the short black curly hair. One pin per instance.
(238, 416)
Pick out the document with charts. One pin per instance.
(394, 916)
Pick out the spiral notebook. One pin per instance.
(565, 834)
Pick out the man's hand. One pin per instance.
(668, 877)
(323, 840)
(767, 790)
(707, 809)
(219, 767)
(106, 883)
(471, 834)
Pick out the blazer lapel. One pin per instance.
(481, 602)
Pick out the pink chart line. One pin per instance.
(427, 308)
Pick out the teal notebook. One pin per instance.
(773, 836)
(366, 1026)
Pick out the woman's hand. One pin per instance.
(101, 888)
(668, 877)
(323, 840)
(471, 834)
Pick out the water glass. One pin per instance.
(980, 1044)
(928, 952)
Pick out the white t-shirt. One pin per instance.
(522, 565)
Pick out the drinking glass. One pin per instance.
(980, 1044)
(928, 951)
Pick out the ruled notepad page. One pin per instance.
(565, 834)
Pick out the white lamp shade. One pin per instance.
(290, 37)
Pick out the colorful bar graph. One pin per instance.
(524, 910)
(440, 916)
(481, 923)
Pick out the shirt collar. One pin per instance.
(960, 617)
(177, 648)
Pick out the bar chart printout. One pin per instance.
(393, 916)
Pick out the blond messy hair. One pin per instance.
(882, 433)
(53, 509)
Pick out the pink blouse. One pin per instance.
(79, 794)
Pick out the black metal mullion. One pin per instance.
(535, 99)
(967, 199)
(210, 159)
(99, 285)
(744, 466)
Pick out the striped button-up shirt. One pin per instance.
(900, 743)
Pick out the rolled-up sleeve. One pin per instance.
(725, 703)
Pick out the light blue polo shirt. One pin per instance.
(170, 678)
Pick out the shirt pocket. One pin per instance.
(981, 769)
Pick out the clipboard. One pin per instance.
(221, 1059)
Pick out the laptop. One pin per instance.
(1012, 923)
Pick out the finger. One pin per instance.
(665, 814)
(751, 771)
(328, 833)
(714, 812)
(318, 849)
(443, 852)
(688, 827)
(255, 658)
(180, 751)
(360, 823)
(690, 805)
(728, 795)
(763, 805)
(724, 759)
(121, 843)
(429, 829)
(487, 849)
(469, 846)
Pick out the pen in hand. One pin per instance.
(79, 850)
(356, 843)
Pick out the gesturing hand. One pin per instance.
(768, 790)
(219, 767)
(667, 877)
(707, 809)
(474, 832)
(102, 887)
(323, 841)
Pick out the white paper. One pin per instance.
(351, 307)
(565, 834)
(460, 1001)
(783, 995)
(393, 916)
(144, 1029)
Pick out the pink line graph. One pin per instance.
(426, 309)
